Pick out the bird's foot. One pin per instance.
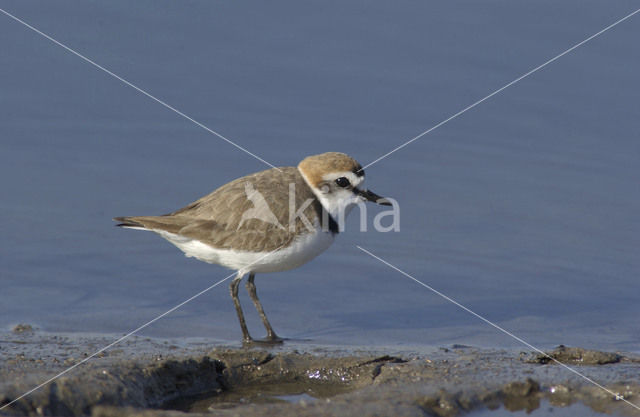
(270, 340)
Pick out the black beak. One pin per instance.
(371, 196)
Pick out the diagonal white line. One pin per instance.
(131, 333)
(152, 97)
(617, 396)
(539, 67)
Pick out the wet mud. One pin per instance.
(151, 377)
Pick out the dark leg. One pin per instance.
(236, 302)
(251, 288)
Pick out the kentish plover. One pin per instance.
(269, 221)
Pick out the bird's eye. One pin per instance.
(342, 182)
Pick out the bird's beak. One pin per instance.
(371, 196)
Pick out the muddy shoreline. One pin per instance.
(152, 377)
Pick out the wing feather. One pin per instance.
(217, 218)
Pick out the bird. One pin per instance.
(270, 221)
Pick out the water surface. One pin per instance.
(524, 209)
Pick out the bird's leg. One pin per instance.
(246, 337)
(251, 288)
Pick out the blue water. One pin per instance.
(524, 209)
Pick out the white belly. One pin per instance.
(302, 250)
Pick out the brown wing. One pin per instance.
(227, 218)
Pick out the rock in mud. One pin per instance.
(577, 356)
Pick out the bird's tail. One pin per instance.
(172, 224)
(129, 222)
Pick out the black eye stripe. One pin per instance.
(342, 182)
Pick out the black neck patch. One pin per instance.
(327, 222)
(333, 224)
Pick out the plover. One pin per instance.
(270, 221)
